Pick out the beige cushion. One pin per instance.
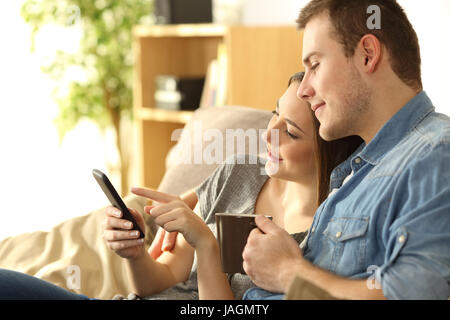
(78, 242)
(75, 243)
(180, 176)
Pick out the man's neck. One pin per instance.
(385, 105)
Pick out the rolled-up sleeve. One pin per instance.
(417, 261)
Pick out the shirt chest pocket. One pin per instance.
(345, 244)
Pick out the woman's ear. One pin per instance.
(370, 50)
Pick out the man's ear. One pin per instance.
(370, 51)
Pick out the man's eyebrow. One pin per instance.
(306, 59)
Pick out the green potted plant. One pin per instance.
(105, 56)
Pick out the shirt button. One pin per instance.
(357, 160)
(339, 234)
(313, 229)
(401, 239)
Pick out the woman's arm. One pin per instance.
(212, 282)
(177, 216)
(165, 241)
(148, 275)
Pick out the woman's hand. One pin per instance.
(173, 214)
(177, 216)
(163, 241)
(120, 237)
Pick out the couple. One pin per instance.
(299, 167)
(388, 211)
(387, 214)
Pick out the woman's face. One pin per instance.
(291, 154)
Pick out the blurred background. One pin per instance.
(66, 80)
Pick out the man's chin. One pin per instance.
(330, 134)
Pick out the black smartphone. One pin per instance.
(115, 199)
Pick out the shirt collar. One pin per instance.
(397, 128)
(344, 168)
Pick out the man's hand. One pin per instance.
(271, 256)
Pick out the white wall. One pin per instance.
(431, 20)
(41, 183)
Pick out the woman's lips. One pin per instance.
(273, 158)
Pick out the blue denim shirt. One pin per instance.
(391, 220)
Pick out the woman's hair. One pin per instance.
(329, 154)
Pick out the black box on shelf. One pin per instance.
(178, 93)
(183, 11)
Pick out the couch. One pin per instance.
(74, 255)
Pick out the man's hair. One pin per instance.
(349, 20)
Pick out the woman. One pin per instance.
(298, 168)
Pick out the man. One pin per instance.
(389, 218)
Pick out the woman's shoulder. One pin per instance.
(233, 187)
(245, 159)
(242, 166)
(237, 172)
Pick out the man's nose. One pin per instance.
(305, 91)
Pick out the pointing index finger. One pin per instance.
(153, 195)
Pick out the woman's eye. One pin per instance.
(275, 113)
(314, 67)
(291, 135)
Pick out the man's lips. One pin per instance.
(317, 106)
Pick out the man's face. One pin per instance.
(332, 83)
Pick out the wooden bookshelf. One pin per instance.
(259, 59)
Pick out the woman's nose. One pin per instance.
(272, 136)
(268, 133)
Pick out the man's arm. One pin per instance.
(272, 259)
(337, 286)
(418, 263)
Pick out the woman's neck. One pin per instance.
(298, 201)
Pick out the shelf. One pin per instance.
(154, 114)
(259, 61)
(180, 30)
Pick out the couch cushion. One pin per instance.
(183, 170)
(73, 250)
